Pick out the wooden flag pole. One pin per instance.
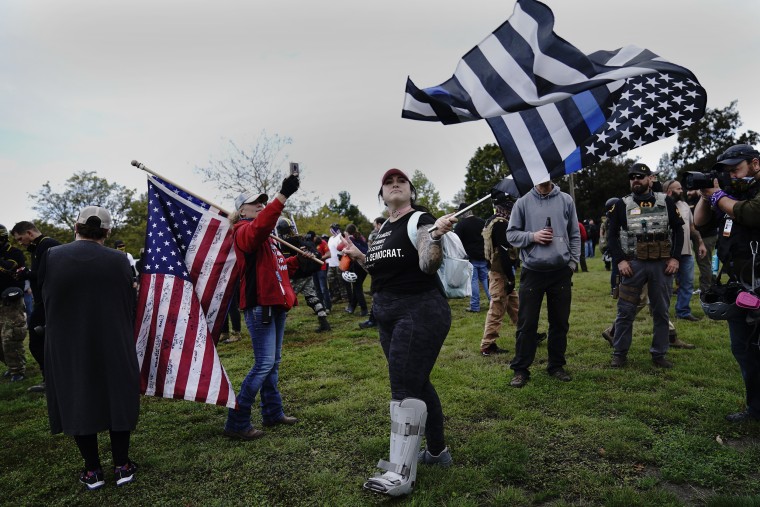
(154, 173)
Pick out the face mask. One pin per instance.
(739, 186)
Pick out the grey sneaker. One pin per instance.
(443, 459)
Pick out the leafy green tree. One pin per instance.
(597, 183)
(350, 213)
(82, 189)
(320, 221)
(700, 144)
(132, 232)
(485, 169)
(427, 195)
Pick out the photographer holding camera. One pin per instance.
(737, 202)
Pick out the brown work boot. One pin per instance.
(677, 343)
(618, 361)
(661, 362)
(607, 335)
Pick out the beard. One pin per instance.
(640, 188)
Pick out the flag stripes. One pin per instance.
(545, 100)
(186, 286)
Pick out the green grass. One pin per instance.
(634, 436)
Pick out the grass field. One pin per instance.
(634, 436)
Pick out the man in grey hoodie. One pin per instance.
(544, 226)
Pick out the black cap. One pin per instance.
(118, 243)
(735, 155)
(501, 199)
(639, 168)
(462, 205)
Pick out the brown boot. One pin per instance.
(676, 342)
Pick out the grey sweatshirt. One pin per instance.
(529, 215)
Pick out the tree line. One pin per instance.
(697, 149)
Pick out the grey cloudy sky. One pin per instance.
(91, 85)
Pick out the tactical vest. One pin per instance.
(492, 254)
(733, 242)
(647, 236)
(603, 233)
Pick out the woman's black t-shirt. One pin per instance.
(393, 261)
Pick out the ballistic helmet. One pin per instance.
(285, 227)
(12, 294)
(721, 306)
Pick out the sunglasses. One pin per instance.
(636, 177)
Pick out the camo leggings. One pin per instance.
(412, 330)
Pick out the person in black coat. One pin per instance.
(91, 370)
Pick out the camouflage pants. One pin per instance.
(338, 286)
(305, 286)
(12, 353)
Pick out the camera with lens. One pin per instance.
(695, 180)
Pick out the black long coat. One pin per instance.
(91, 373)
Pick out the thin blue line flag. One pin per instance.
(553, 109)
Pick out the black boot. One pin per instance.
(323, 325)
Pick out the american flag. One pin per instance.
(189, 272)
(554, 109)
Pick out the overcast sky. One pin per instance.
(88, 85)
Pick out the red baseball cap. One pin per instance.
(394, 172)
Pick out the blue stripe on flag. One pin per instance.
(573, 162)
(590, 110)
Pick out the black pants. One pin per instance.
(356, 297)
(233, 314)
(412, 330)
(88, 448)
(37, 340)
(557, 285)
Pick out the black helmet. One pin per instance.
(719, 302)
(610, 203)
(284, 227)
(12, 294)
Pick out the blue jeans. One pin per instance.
(685, 285)
(589, 246)
(747, 354)
(320, 285)
(267, 351)
(479, 273)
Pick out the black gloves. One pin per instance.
(290, 185)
